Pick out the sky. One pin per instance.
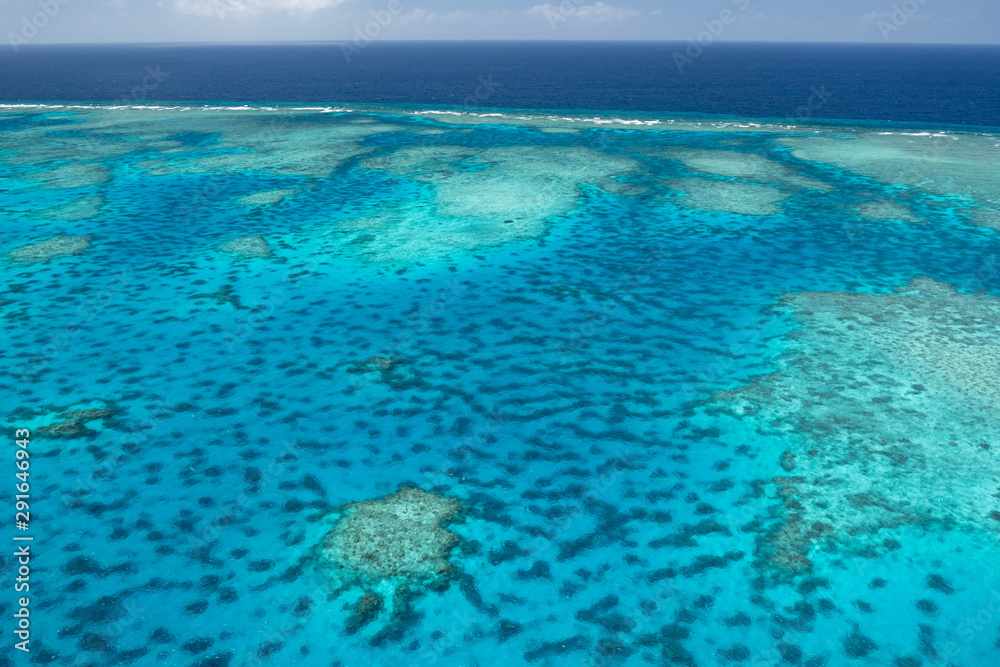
(917, 21)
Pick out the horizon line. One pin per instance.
(504, 41)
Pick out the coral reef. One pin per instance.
(73, 424)
(373, 364)
(81, 420)
(78, 209)
(394, 549)
(79, 175)
(556, 386)
(887, 210)
(266, 198)
(729, 196)
(399, 537)
(222, 296)
(57, 246)
(365, 610)
(248, 247)
(758, 184)
(746, 166)
(250, 143)
(528, 187)
(887, 404)
(943, 164)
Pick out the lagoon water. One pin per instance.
(707, 391)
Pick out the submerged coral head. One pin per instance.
(51, 248)
(401, 537)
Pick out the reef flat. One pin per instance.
(888, 404)
(48, 249)
(248, 247)
(397, 537)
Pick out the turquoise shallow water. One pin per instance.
(669, 370)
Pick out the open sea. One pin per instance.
(458, 354)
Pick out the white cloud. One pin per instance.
(897, 18)
(501, 16)
(603, 12)
(454, 17)
(224, 8)
(418, 14)
(874, 17)
(596, 13)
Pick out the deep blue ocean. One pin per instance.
(913, 83)
(469, 355)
